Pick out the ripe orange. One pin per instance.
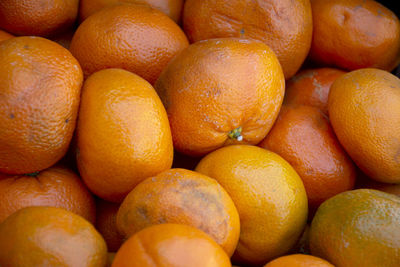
(298, 260)
(37, 17)
(358, 228)
(269, 196)
(364, 109)
(123, 135)
(48, 236)
(5, 35)
(137, 38)
(40, 90)
(284, 25)
(184, 197)
(219, 92)
(354, 34)
(170, 245)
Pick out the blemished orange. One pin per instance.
(220, 92)
(299, 260)
(183, 197)
(123, 135)
(137, 38)
(5, 35)
(106, 224)
(37, 17)
(284, 25)
(172, 8)
(364, 109)
(170, 245)
(311, 87)
(358, 228)
(56, 186)
(40, 91)
(303, 136)
(354, 34)
(48, 236)
(269, 196)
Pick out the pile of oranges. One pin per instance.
(199, 133)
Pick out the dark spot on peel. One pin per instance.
(67, 120)
(26, 47)
(142, 211)
(12, 116)
(242, 31)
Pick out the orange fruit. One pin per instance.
(137, 38)
(269, 196)
(354, 34)
(5, 35)
(123, 135)
(48, 236)
(55, 187)
(40, 93)
(284, 25)
(168, 245)
(37, 17)
(358, 228)
(298, 260)
(219, 92)
(172, 8)
(183, 197)
(303, 136)
(311, 87)
(106, 224)
(364, 109)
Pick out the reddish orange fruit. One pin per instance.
(298, 260)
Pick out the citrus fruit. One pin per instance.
(5, 35)
(298, 260)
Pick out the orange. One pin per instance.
(364, 109)
(40, 91)
(358, 228)
(37, 17)
(170, 245)
(284, 25)
(354, 34)
(311, 87)
(172, 8)
(123, 135)
(106, 224)
(5, 35)
(298, 260)
(220, 92)
(303, 136)
(48, 236)
(269, 196)
(184, 197)
(137, 38)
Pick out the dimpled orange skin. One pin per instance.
(303, 136)
(37, 17)
(137, 38)
(354, 34)
(172, 8)
(364, 109)
(284, 25)
(40, 91)
(358, 228)
(298, 260)
(48, 236)
(311, 87)
(269, 196)
(123, 134)
(184, 197)
(170, 245)
(5, 35)
(216, 86)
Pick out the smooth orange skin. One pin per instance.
(137, 38)
(364, 109)
(298, 260)
(172, 8)
(40, 91)
(358, 228)
(284, 25)
(354, 34)
(5, 35)
(269, 196)
(303, 136)
(170, 245)
(123, 135)
(311, 87)
(183, 197)
(216, 86)
(48, 236)
(37, 17)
